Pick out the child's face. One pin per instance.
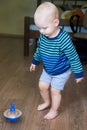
(47, 27)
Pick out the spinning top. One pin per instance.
(12, 114)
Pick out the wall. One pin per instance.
(12, 14)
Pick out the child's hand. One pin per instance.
(32, 67)
(79, 80)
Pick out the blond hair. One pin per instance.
(48, 9)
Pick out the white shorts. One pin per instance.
(57, 81)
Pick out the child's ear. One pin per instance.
(56, 22)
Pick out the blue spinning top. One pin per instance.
(12, 114)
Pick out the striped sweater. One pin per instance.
(58, 54)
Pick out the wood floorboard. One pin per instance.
(19, 86)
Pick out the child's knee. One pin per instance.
(43, 85)
(55, 91)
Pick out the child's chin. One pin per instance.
(46, 35)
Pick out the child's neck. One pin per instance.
(55, 33)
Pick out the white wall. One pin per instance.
(12, 14)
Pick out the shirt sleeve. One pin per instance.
(69, 49)
(36, 57)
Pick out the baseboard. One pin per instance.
(11, 35)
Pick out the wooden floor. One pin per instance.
(19, 86)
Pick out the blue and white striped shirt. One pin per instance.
(58, 54)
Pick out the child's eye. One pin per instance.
(44, 27)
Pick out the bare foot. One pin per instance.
(51, 115)
(42, 106)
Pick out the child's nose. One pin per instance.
(42, 31)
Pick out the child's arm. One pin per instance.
(70, 51)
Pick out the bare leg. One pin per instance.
(44, 91)
(56, 99)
